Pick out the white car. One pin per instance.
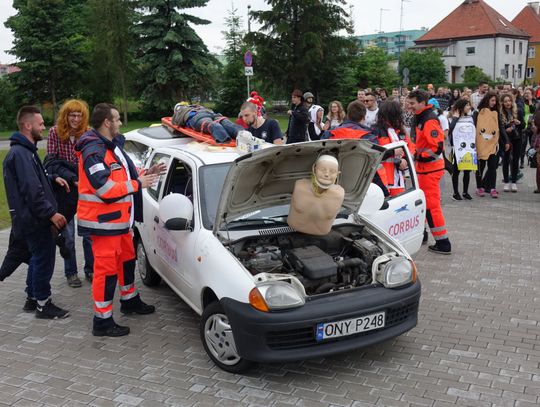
(215, 231)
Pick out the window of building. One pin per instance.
(530, 73)
(507, 49)
(531, 53)
(506, 71)
(520, 48)
(514, 47)
(519, 70)
(471, 50)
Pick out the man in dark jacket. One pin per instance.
(33, 210)
(298, 120)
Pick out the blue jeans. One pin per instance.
(222, 131)
(40, 269)
(70, 265)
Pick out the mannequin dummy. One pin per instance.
(316, 202)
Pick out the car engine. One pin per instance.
(337, 261)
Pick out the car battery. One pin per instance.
(311, 262)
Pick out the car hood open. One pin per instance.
(266, 178)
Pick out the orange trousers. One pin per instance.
(429, 183)
(114, 262)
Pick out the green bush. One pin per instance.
(9, 105)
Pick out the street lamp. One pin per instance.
(249, 17)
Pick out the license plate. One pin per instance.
(352, 326)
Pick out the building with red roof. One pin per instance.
(528, 20)
(7, 69)
(475, 34)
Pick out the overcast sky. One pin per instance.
(416, 14)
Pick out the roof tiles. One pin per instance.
(473, 18)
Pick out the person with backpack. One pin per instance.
(462, 137)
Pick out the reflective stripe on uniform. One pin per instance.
(103, 315)
(129, 186)
(439, 229)
(94, 198)
(129, 295)
(105, 188)
(440, 237)
(126, 287)
(102, 304)
(103, 226)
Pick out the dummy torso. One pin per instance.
(315, 203)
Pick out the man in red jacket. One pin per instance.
(430, 166)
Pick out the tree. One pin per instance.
(474, 74)
(301, 45)
(174, 62)
(372, 69)
(233, 81)
(424, 67)
(50, 47)
(109, 23)
(10, 103)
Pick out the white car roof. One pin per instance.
(159, 137)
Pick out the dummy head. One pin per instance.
(325, 171)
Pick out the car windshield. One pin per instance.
(212, 178)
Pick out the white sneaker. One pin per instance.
(506, 188)
(514, 188)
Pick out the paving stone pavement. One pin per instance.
(477, 342)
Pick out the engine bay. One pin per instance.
(340, 260)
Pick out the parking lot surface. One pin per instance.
(477, 342)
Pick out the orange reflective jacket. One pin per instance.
(105, 190)
(429, 142)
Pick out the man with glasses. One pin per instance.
(371, 109)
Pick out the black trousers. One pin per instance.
(17, 253)
(489, 179)
(511, 161)
(455, 178)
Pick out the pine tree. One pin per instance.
(232, 91)
(50, 48)
(175, 64)
(109, 27)
(304, 44)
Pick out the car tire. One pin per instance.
(148, 275)
(218, 340)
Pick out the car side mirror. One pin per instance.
(178, 224)
(373, 200)
(176, 212)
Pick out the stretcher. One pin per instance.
(197, 135)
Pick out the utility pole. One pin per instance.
(380, 19)
(401, 25)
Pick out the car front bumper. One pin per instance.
(291, 334)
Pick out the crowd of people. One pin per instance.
(86, 173)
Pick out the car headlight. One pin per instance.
(275, 295)
(397, 272)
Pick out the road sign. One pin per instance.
(248, 59)
(248, 70)
(405, 72)
(405, 80)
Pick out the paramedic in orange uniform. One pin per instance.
(108, 186)
(430, 165)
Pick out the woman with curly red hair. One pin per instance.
(71, 124)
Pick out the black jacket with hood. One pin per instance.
(29, 189)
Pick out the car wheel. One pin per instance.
(218, 340)
(148, 275)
